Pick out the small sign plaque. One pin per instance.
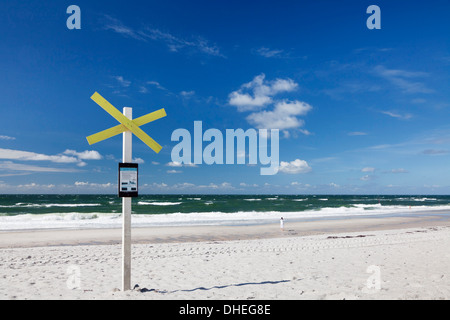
(128, 180)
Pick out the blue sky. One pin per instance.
(359, 111)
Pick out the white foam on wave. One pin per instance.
(144, 203)
(76, 220)
(371, 206)
(414, 199)
(424, 199)
(51, 205)
(70, 220)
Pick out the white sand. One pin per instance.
(405, 263)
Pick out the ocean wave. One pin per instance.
(415, 199)
(51, 205)
(69, 220)
(113, 220)
(144, 203)
(369, 206)
(424, 199)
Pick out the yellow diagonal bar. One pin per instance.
(129, 124)
(106, 134)
(111, 132)
(155, 146)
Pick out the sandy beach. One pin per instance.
(364, 258)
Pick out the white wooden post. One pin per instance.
(126, 209)
(130, 127)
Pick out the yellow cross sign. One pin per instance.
(125, 124)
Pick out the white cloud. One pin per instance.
(245, 102)
(273, 120)
(400, 170)
(138, 160)
(368, 169)
(282, 85)
(156, 84)
(174, 164)
(94, 185)
(122, 82)
(80, 183)
(174, 171)
(14, 174)
(111, 157)
(282, 117)
(143, 89)
(7, 138)
(269, 53)
(295, 108)
(190, 165)
(434, 152)
(85, 155)
(179, 164)
(32, 156)
(224, 185)
(174, 43)
(260, 93)
(393, 114)
(350, 87)
(67, 157)
(404, 79)
(162, 185)
(103, 185)
(381, 146)
(187, 94)
(184, 185)
(334, 185)
(36, 186)
(357, 133)
(9, 165)
(399, 73)
(118, 27)
(294, 167)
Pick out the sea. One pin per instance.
(25, 212)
